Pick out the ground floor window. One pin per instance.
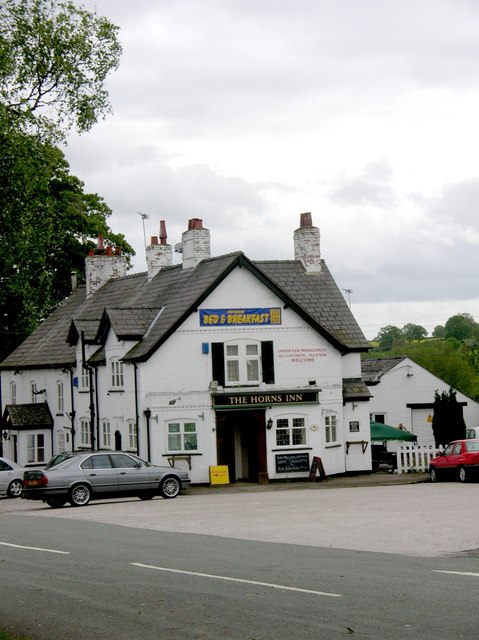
(290, 431)
(85, 433)
(331, 429)
(35, 447)
(132, 436)
(106, 434)
(182, 436)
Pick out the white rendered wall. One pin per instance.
(397, 389)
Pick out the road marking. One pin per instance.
(19, 546)
(261, 584)
(458, 573)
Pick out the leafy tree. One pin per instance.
(413, 332)
(448, 421)
(439, 331)
(54, 59)
(47, 225)
(388, 336)
(462, 327)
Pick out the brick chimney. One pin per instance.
(195, 243)
(307, 244)
(158, 255)
(102, 265)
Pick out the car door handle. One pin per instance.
(92, 474)
(123, 473)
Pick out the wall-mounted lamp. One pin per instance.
(174, 401)
(202, 416)
(36, 393)
(269, 424)
(6, 435)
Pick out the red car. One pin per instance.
(458, 461)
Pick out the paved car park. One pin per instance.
(381, 514)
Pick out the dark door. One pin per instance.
(241, 444)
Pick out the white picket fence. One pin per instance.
(413, 457)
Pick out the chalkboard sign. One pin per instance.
(317, 466)
(292, 462)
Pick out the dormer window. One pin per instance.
(116, 374)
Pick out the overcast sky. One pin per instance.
(246, 113)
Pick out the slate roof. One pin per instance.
(27, 416)
(152, 309)
(374, 368)
(355, 389)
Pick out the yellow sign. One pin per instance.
(219, 475)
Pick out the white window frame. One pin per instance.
(33, 388)
(60, 397)
(291, 431)
(13, 392)
(106, 434)
(242, 362)
(85, 432)
(117, 379)
(185, 433)
(35, 447)
(132, 436)
(84, 379)
(61, 441)
(331, 429)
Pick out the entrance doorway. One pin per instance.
(241, 444)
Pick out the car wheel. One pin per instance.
(15, 489)
(80, 495)
(170, 487)
(462, 476)
(55, 503)
(146, 495)
(433, 474)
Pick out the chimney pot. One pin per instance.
(195, 223)
(163, 235)
(306, 220)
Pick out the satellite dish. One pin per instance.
(179, 247)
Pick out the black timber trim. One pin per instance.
(428, 405)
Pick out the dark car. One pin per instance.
(81, 477)
(383, 459)
(458, 461)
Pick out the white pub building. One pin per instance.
(253, 365)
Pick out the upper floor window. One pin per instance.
(33, 387)
(290, 431)
(331, 430)
(116, 374)
(13, 393)
(182, 436)
(60, 398)
(84, 379)
(243, 362)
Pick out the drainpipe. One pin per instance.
(91, 392)
(147, 413)
(98, 410)
(137, 418)
(72, 412)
